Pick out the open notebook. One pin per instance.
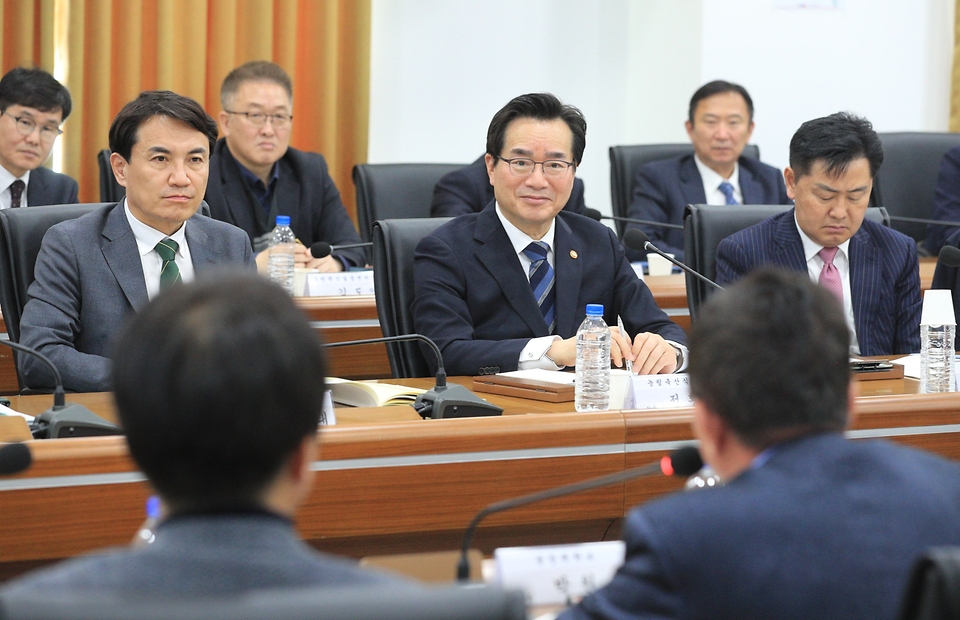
(371, 393)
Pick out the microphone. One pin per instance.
(63, 420)
(14, 458)
(681, 462)
(949, 256)
(636, 239)
(320, 249)
(443, 401)
(593, 214)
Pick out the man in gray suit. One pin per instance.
(33, 105)
(219, 387)
(93, 271)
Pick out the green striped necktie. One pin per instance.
(169, 272)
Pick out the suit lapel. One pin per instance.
(750, 188)
(865, 270)
(568, 287)
(201, 247)
(37, 188)
(120, 250)
(789, 247)
(287, 192)
(691, 183)
(497, 256)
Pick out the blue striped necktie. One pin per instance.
(541, 280)
(727, 190)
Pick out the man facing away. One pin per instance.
(871, 268)
(93, 271)
(507, 288)
(33, 105)
(808, 523)
(219, 388)
(719, 124)
(255, 175)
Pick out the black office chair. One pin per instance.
(906, 181)
(933, 591)
(393, 244)
(626, 160)
(395, 191)
(705, 226)
(21, 231)
(110, 190)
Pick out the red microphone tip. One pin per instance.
(666, 465)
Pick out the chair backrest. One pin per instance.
(395, 191)
(393, 244)
(626, 160)
(705, 226)
(906, 181)
(21, 232)
(933, 591)
(110, 190)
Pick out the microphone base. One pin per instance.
(454, 401)
(72, 421)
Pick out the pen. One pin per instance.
(623, 332)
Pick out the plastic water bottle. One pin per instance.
(282, 248)
(936, 358)
(592, 388)
(147, 532)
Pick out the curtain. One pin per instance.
(113, 49)
(955, 77)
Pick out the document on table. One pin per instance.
(911, 365)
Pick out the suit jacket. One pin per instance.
(304, 191)
(826, 528)
(664, 188)
(474, 300)
(205, 555)
(945, 277)
(88, 278)
(884, 276)
(946, 201)
(468, 190)
(47, 187)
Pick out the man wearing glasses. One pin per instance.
(507, 288)
(255, 175)
(32, 106)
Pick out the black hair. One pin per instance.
(254, 71)
(540, 106)
(34, 88)
(126, 126)
(718, 87)
(835, 140)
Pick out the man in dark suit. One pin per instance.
(720, 124)
(871, 268)
(93, 271)
(468, 190)
(33, 105)
(508, 287)
(255, 175)
(219, 387)
(946, 201)
(807, 524)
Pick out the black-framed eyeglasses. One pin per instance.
(257, 119)
(552, 168)
(26, 125)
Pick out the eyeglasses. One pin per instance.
(257, 119)
(552, 168)
(26, 125)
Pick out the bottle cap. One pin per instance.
(153, 507)
(938, 308)
(283, 220)
(594, 309)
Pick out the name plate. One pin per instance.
(658, 392)
(342, 284)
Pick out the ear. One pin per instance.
(689, 126)
(119, 166)
(749, 131)
(791, 181)
(491, 162)
(224, 125)
(711, 430)
(298, 466)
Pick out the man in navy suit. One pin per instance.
(872, 268)
(33, 105)
(807, 524)
(719, 125)
(506, 288)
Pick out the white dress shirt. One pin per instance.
(6, 178)
(712, 180)
(147, 240)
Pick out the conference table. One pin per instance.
(389, 482)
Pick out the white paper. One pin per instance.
(4, 410)
(539, 374)
(658, 392)
(341, 284)
(329, 417)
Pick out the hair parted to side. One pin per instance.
(254, 71)
(835, 140)
(34, 88)
(539, 106)
(770, 356)
(217, 382)
(718, 87)
(126, 126)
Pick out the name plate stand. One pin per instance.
(342, 284)
(658, 392)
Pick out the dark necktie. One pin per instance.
(541, 280)
(727, 190)
(16, 193)
(169, 272)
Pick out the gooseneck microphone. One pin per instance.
(681, 462)
(949, 256)
(63, 420)
(320, 249)
(443, 401)
(593, 214)
(636, 239)
(14, 458)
